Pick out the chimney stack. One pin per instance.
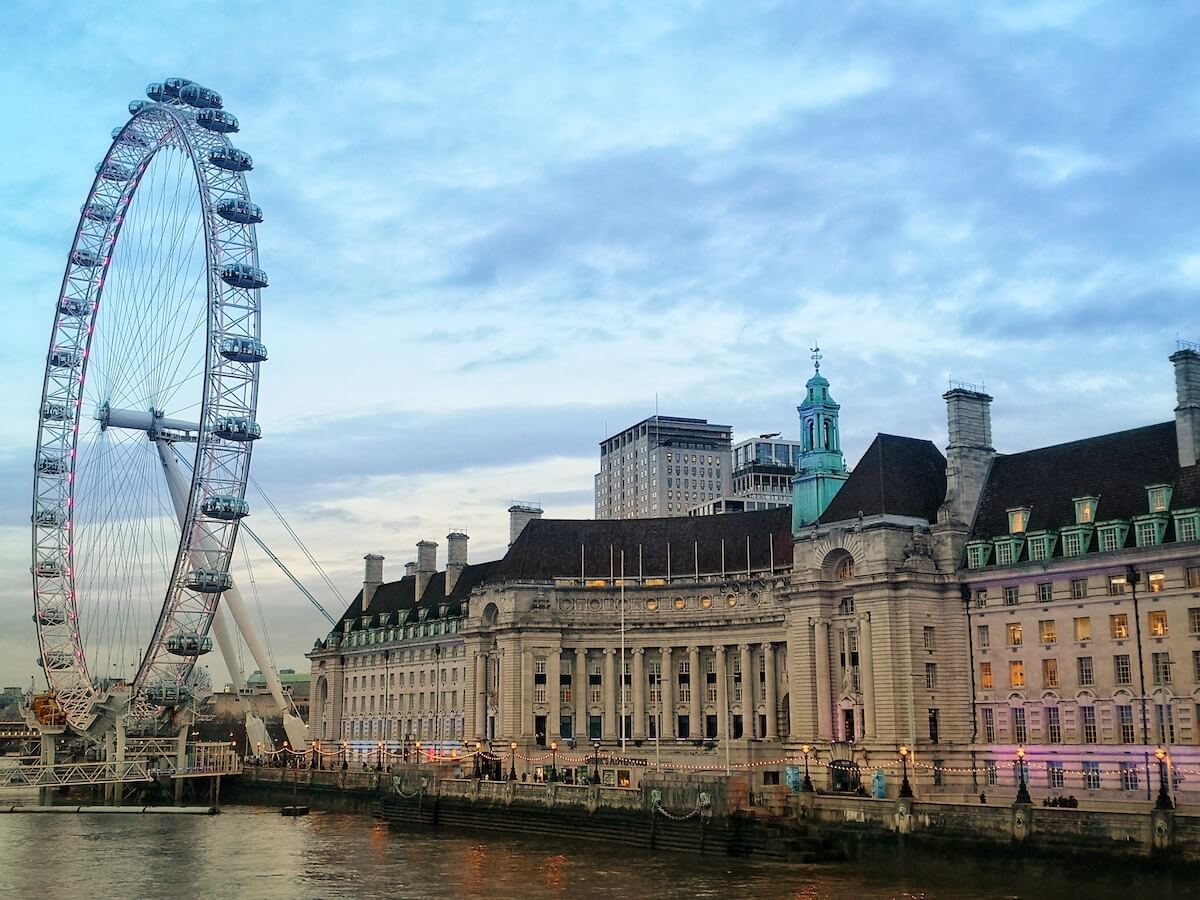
(372, 578)
(456, 557)
(969, 453)
(426, 565)
(521, 514)
(1187, 395)
(410, 568)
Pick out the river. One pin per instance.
(253, 852)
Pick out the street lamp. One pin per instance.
(478, 746)
(554, 760)
(807, 787)
(905, 787)
(1164, 794)
(596, 762)
(1022, 787)
(417, 750)
(512, 765)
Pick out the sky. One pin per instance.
(497, 232)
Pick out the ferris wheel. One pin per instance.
(148, 414)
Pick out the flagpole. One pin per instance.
(621, 705)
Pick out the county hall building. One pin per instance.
(965, 604)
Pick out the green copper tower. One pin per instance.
(822, 469)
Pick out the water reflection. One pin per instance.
(254, 852)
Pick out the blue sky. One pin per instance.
(496, 230)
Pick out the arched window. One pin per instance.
(845, 568)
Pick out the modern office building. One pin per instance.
(662, 466)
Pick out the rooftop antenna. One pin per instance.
(656, 404)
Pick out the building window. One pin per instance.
(933, 726)
(1048, 631)
(845, 568)
(1147, 534)
(931, 676)
(1194, 620)
(1015, 638)
(1071, 544)
(1053, 725)
(1087, 674)
(1019, 731)
(1125, 723)
(1050, 673)
(1196, 665)
(1129, 776)
(1165, 714)
(1088, 716)
(981, 598)
(1079, 588)
(1116, 585)
(1158, 622)
(1161, 663)
(976, 557)
(1037, 548)
(985, 674)
(1091, 776)
(1193, 576)
(1054, 775)
(1045, 592)
(984, 635)
(929, 634)
(1016, 520)
(1016, 673)
(1085, 510)
(1156, 582)
(992, 773)
(1011, 595)
(1122, 674)
(1004, 553)
(1118, 627)
(989, 725)
(1083, 628)
(1185, 528)
(1109, 540)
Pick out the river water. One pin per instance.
(253, 852)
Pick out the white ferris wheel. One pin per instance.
(148, 417)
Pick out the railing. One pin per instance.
(67, 774)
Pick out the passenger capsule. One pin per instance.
(243, 350)
(50, 615)
(242, 212)
(98, 212)
(64, 359)
(56, 660)
(49, 568)
(49, 464)
(236, 428)
(156, 91)
(172, 86)
(136, 106)
(69, 306)
(217, 120)
(188, 644)
(231, 159)
(49, 517)
(199, 97)
(227, 509)
(167, 693)
(55, 412)
(208, 581)
(243, 275)
(113, 171)
(88, 259)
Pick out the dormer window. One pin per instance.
(1159, 497)
(1112, 535)
(1018, 520)
(977, 554)
(1149, 532)
(1085, 510)
(1187, 524)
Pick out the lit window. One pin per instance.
(1118, 626)
(1083, 628)
(1158, 496)
(985, 676)
(1017, 519)
(1050, 673)
(680, 603)
(1158, 623)
(1085, 510)
(1116, 585)
(846, 568)
(1015, 638)
(1156, 581)
(1016, 673)
(1048, 631)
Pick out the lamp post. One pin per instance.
(554, 760)
(417, 751)
(512, 764)
(1022, 787)
(595, 762)
(1164, 795)
(807, 786)
(478, 747)
(905, 787)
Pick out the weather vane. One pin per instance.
(816, 356)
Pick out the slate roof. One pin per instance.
(551, 548)
(897, 476)
(399, 596)
(1117, 468)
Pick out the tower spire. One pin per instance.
(821, 468)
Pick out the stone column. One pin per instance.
(867, 656)
(694, 708)
(553, 698)
(527, 694)
(824, 688)
(769, 697)
(722, 695)
(502, 698)
(581, 692)
(749, 676)
(610, 695)
(480, 695)
(668, 694)
(639, 694)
